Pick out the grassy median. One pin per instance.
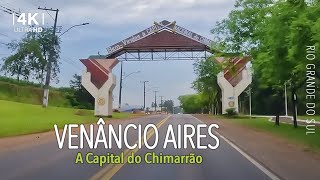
(18, 118)
(297, 135)
(316, 118)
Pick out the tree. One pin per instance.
(275, 34)
(237, 33)
(281, 57)
(80, 97)
(25, 60)
(31, 56)
(206, 84)
(168, 104)
(191, 103)
(45, 40)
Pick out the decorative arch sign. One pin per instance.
(169, 39)
(156, 28)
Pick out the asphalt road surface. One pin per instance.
(48, 162)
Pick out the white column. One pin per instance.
(230, 94)
(103, 96)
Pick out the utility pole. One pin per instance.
(121, 81)
(250, 101)
(155, 101)
(120, 85)
(286, 98)
(161, 103)
(144, 94)
(51, 56)
(295, 110)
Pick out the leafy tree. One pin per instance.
(191, 103)
(31, 56)
(168, 104)
(233, 36)
(206, 84)
(80, 97)
(275, 34)
(237, 33)
(281, 57)
(24, 61)
(46, 41)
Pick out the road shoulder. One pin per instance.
(288, 160)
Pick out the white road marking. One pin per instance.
(249, 158)
(304, 121)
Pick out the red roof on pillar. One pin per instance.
(99, 69)
(238, 64)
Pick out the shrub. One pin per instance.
(231, 112)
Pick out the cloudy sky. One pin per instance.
(112, 21)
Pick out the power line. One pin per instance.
(14, 1)
(35, 5)
(50, 15)
(9, 4)
(72, 65)
(10, 10)
(4, 35)
(72, 62)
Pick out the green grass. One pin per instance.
(287, 131)
(31, 94)
(18, 118)
(317, 118)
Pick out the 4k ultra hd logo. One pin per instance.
(28, 22)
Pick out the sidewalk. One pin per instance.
(289, 120)
(287, 160)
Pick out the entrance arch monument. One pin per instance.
(161, 42)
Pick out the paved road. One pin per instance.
(49, 162)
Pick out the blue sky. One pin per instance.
(113, 21)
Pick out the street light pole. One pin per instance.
(83, 24)
(161, 103)
(45, 99)
(121, 82)
(250, 99)
(155, 101)
(121, 73)
(144, 94)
